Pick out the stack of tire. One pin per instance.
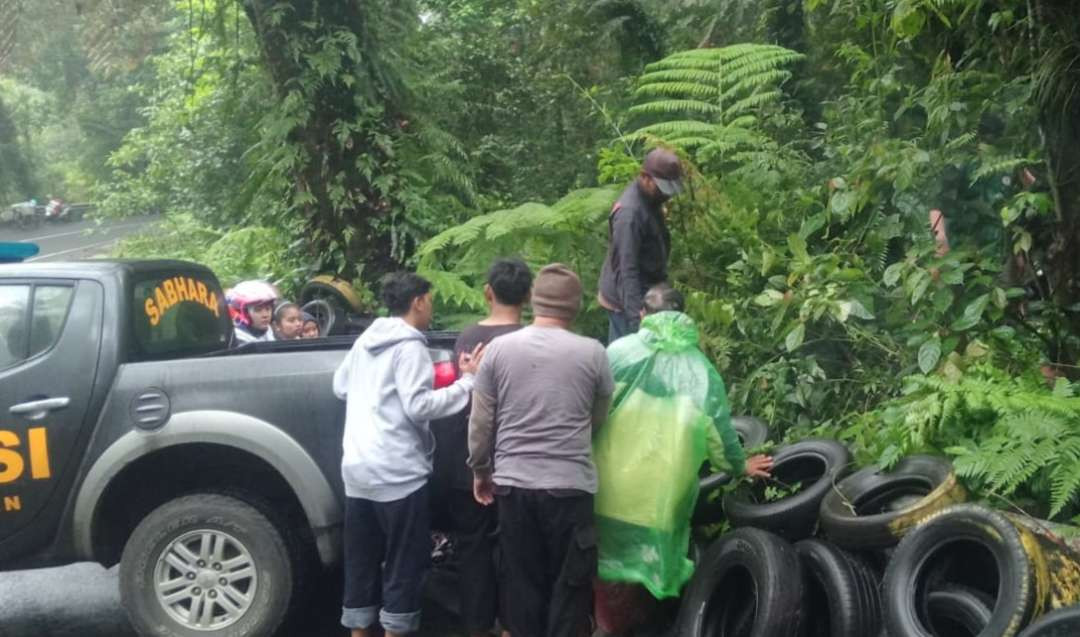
(875, 553)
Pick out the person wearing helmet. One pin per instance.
(251, 304)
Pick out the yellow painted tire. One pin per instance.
(339, 291)
(873, 509)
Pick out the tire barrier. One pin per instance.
(748, 584)
(1022, 573)
(813, 465)
(841, 595)
(873, 509)
(898, 554)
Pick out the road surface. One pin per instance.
(76, 240)
(83, 600)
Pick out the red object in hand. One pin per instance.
(445, 374)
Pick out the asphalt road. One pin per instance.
(76, 240)
(83, 600)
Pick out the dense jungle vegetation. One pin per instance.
(279, 138)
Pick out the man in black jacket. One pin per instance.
(638, 242)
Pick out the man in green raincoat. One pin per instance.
(669, 414)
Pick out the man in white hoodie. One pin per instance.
(387, 381)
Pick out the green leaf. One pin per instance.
(954, 276)
(1000, 299)
(768, 298)
(920, 289)
(797, 245)
(929, 355)
(974, 310)
(795, 337)
(859, 310)
(892, 274)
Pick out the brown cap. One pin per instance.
(556, 292)
(665, 169)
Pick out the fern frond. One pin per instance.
(999, 167)
(676, 106)
(678, 89)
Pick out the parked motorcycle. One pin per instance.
(22, 215)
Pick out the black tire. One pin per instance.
(963, 545)
(1064, 622)
(752, 432)
(873, 508)
(815, 464)
(745, 569)
(330, 317)
(841, 596)
(959, 611)
(161, 530)
(338, 292)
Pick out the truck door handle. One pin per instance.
(38, 409)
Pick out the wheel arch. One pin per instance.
(269, 459)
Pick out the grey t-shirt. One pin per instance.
(544, 382)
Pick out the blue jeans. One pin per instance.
(387, 554)
(618, 326)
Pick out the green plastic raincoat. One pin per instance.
(669, 413)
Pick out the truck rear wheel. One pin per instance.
(206, 565)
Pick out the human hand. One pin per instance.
(469, 362)
(759, 466)
(483, 489)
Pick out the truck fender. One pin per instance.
(271, 444)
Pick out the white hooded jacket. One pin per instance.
(387, 380)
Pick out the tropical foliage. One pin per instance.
(282, 137)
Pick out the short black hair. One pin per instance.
(510, 281)
(399, 289)
(663, 298)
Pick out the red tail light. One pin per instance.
(445, 374)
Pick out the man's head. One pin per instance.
(508, 283)
(662, 298)
(661, 174)
(556, 294)
(408, 296)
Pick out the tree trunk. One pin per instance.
(344, 120)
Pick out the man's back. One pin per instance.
(545, 381)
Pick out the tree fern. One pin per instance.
(570, 231)
(704, 100)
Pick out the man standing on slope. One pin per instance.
(387, 380)
(638, 242)
(540, 394)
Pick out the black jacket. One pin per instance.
(638, 247)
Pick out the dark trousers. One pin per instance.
(474, 552)
(618, 326)
(548, 545)
(387, 555)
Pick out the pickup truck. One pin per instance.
(131, 433)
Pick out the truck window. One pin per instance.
(26, 334)
(50, 311)
(179, 314)
(14, 299)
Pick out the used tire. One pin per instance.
(748, 584)
(969, 546)
(958, 611)
(873, 508)
(841, 598)
(752, 432)
(207, 565)
(1064, 622)
(814, 464)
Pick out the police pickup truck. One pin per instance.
(131, 433)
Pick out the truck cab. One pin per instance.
(131, 433)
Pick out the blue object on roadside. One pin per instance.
(16, 252)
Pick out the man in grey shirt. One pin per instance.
(539, 395)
